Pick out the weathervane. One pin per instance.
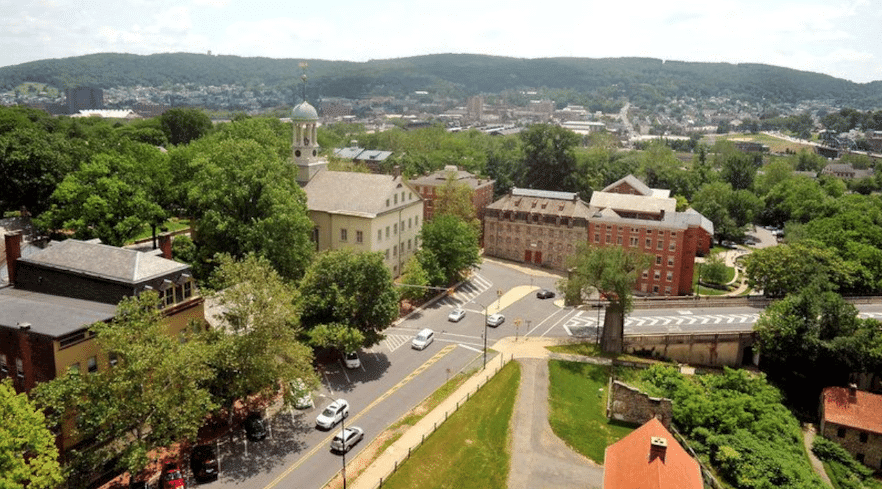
(303, 66)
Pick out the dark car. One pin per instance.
(255, 427)
(545, 294)
(203, 463)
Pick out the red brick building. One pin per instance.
(650, 458)
(853, 419)
(427, 186)
(629, 214)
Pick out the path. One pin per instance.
(539, 458)
(808, 437)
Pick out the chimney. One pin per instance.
(396, 171)
(165, 244)
(13, 253)
(657, 448)
(852, 393)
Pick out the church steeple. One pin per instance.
(305, 148)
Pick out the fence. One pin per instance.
(706, 473)
(487, 376)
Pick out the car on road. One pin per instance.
(333, 414)
(456, 314)
(203, 463)
(729, 244)
(351, 359)
(172, 477)
(545, 294)
(346, 439)
(302, 396)
(255, 427)
(423, 339)
(495, 320)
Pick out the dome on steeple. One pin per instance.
(304, 112)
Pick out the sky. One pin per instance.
(842, 38)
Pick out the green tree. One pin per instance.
(182, 125)
(455, 199)
(151, 398)
(715, 270)
(739, 170)
(28, 455)
(354, 290)
(612, 272)
(245, 199)
(255, 346)
(97, 202)
(454, 245)
(549, 157)
(784, 269)
(414, 280)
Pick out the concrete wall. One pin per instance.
(710, 349)
(628, 404)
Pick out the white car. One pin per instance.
(333, 414)
(495, 320)
(423, 339)
(302, 396)
(351, 359)
(346, 439)
(456, 314)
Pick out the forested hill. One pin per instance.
(454, 74)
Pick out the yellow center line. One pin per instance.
(438, 356)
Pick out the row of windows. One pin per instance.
(411, 222)
(173, 294)
(4, 367)
(621, 229)
(669, 276)
(539, 245)
(397, 247)
(395, 198)
(634, 242)
(540, 231)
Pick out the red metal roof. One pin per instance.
(863, 411)
(628, 465)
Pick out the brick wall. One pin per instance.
(869, 450)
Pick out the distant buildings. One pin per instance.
(545, 228)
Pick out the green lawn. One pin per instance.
(173, 224)
(471, 449)
(577, 408)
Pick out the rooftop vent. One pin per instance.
(657, 448)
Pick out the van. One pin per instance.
(423, 339)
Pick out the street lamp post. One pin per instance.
(343, 436)
(485, 331)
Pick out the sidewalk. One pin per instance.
(508, 349)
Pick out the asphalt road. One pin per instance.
(394, 378)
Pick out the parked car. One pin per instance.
(456, 314)
(729, 244)
(172, 477)
(423, 339)
(332, 414)
(301, 394)
(545, 294)
(346, 439)
(255, 427)
(203, 463)
(495, 320)
(351, 360)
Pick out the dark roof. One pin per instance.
(103, 261)
(50, 315)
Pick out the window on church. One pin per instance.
(359, 237)
(343, 234)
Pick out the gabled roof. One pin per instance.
(632, 182)
(356, 194)
(440, 177)
(545, 202)
(103, 261)
(863, 411)
(627, 464)
(636, 203)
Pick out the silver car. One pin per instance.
(495, 320)
(346, 439)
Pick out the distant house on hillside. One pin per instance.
(845, 171)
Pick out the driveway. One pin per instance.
(539, 458)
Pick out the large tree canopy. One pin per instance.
(345, 289)
(182, 125)
(246, 199)
(150, 398)
(255, 346)
(549, 158)
(28, 456)
(612, 272)
(784, 269)
(453, 246)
